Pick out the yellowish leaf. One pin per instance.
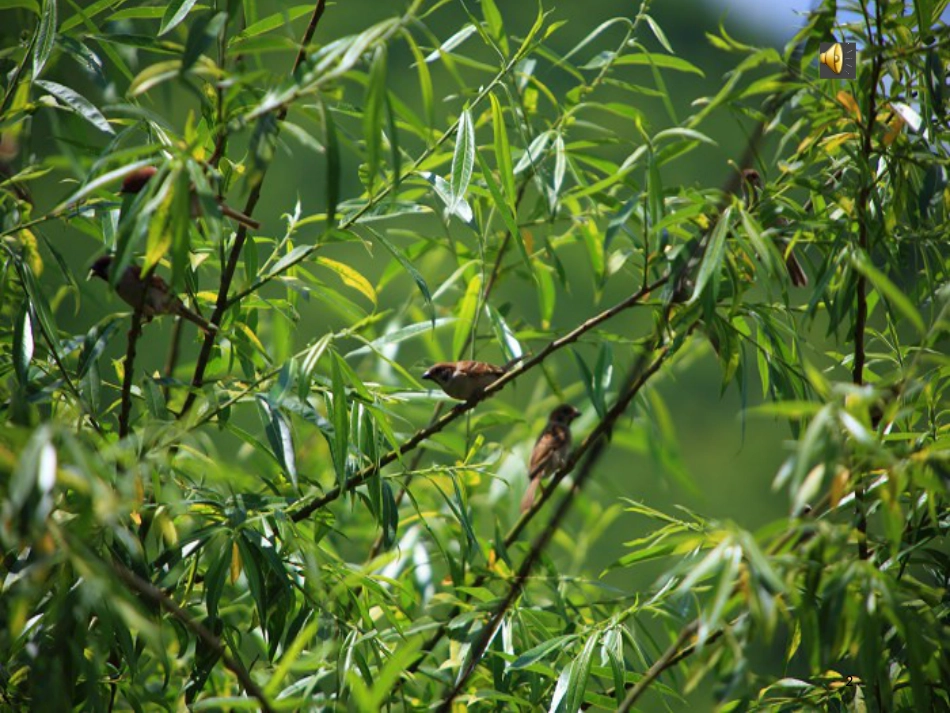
(350, 277)
(894, 130)
(849, 103)
(832, 142)
(838, 486)
(31, 251)
(235, 562)
(159, 235)
(528, 241)
(249, 333)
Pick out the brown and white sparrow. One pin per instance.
(136, 180)
(158, 296)
(752, 183)
(551, 450)
(464, 379)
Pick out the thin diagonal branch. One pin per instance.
(596, 444)
(669, 658)
(157, 596)
(221, 304)
(306, 510)
(128, 377)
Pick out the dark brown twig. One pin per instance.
(666, 660)
(458, 410)
(135, 331)
(861, 297)
(157, 596)
(594, 446)
(221, 304)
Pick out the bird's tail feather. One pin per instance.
(528, 500)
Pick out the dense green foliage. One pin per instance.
(280, 514)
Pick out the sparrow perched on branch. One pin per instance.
(139, 178)
(551, 450)
(153, 293)
(464, 379)
(752, 182)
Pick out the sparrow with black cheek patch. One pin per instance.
(464, 379)
(136, 180)
(551, 450)
(154, 295)
(752, 183)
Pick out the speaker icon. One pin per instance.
(837, 60)
(832, 58)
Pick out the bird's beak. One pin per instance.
(575, 413)
(428, 375)
(91, 274)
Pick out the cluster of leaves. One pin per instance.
(264, 518)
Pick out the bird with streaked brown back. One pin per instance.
(464, 379)
(550, 452)
(153, 294)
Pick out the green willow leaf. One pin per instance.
(373, 116)
(463, 159)
(466, 316)
(504, 210)
(175, 12)
(407, 265)
(271, 22)
(45, 37)
(23, 344)
(340, 420)
(77, 103)
(715, 251)
(580, 675)
(506, 171)
(40, 305)
(425, 79)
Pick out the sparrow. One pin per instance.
(463, 380)
(139, 178)
(752, 183)
(550, 450)
(158, 297)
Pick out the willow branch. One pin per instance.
(861, 297)
(437, 411)
(221, 303)
(156, 596)
(128, 376)
(594, 446)
(306, 510)
(668, 659)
